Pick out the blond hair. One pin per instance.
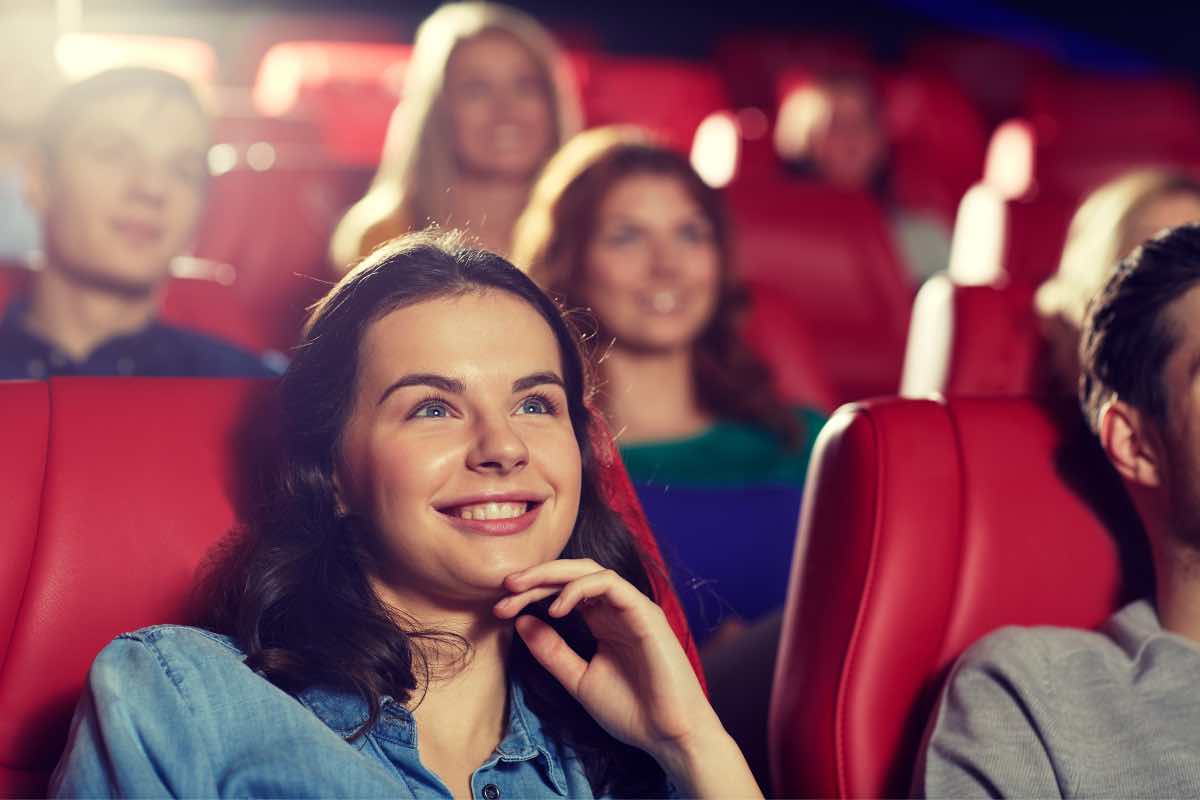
(1099, 237)
(418, 164)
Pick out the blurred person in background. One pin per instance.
(118, 181)
(486, 102)
(623, 228)
(1112, 221)
(833, 130)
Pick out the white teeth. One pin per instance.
(485, 511)
(665, 302)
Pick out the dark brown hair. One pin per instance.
(294, 592)
(1127, 335)
(552, 237)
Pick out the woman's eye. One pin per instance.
(435, 409)
(623, 236)
(535, 405)
(694, 233)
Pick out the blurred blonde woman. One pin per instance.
(487, 100)
(1112, 221)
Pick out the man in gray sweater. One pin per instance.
(1054, 712)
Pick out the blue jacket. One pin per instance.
(173, 710)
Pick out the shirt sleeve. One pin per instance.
(988, 737)
(134, 733)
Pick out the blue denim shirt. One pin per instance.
(173, 710)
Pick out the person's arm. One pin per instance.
(988, 735)
(133, 734)
(640, 685)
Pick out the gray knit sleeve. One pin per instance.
(989, 736)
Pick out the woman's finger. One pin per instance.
(558, 571)
(604, 586)
(552, 652)
(510, 606)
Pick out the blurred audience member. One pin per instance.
(625, 228)
(833, 130)
(118, 182)
(486, 102)
(1111, 222)
(1057, 712)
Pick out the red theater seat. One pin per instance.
(775, 330)
(925, 526)
(751, 61)
(971, 340)
(938, 141)
(830, 253)
(348, 90)
(115, 491)
(670, 97)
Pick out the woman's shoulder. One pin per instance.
(176, 650)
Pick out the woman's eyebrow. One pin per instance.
(537, 379)
(441, 382)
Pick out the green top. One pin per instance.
(726, 454)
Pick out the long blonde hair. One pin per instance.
(1099, 237)
(418, 163)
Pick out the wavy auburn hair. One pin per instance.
(294, 591)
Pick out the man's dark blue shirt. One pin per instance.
(157, 350)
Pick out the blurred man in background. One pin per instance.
(118, 182)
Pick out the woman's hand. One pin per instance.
(640, 685)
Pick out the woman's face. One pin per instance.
(459, 451)
(652, 269)
(498, 103)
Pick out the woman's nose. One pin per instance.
(498, 447)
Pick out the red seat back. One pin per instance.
(775, 331)
(972, 340)
(925, 526)
(119, 488)
(667, 96)
(830, 252)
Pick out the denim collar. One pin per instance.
(524, 739)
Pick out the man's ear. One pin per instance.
(1133, 443)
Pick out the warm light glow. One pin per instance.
(81, 55)
(930, 339)
(977, 249)
(715, 149)
(289, 67)
(1010, 159)
(221, 158)
(260, 156)
(802, 112)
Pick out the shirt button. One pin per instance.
(36, 368)
(125, 365)
(491, 792)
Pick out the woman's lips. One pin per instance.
(494, 527)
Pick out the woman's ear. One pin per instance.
(1133, 443)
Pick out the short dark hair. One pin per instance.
(1127, 335)
(65, 108)
(294, 591)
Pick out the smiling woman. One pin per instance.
(438, 488)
